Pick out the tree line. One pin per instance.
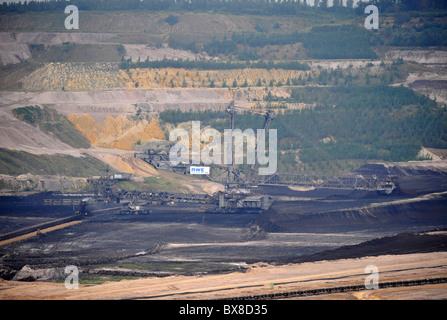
(321, 42)
(365, 122)
(429, 34)
(212, 65)
(255, 7)
(403, 5)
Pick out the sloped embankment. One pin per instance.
(51, 122)
(403, 243)
(15, 162)
(426, 210)
(15, 46)
(118, 132)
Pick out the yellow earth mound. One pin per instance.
(118, 132)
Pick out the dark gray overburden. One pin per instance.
(184, 239)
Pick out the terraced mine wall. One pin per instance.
(422, 211)
(420, 200)
(102, 104)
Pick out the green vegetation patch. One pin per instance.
(338, 42)
(345, 123)
(213, 65)
(13, 162)
(321, 42)
(365, 122)
(50, 121)
(163, 184)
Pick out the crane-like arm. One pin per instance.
(269, 116)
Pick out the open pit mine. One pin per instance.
(112, 232)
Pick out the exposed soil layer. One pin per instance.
(403, 243)
(343, 215)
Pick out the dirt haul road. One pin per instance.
(261, 279)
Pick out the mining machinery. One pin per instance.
(240, 193)
(136, 206)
